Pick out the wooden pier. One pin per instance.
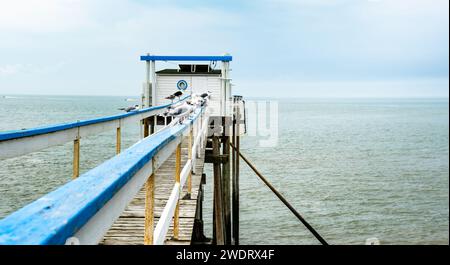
(130, 227)
(152, 192)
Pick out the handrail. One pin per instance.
(87, 206)
(19, 142)
(15, 134)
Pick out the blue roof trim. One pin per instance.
(61, 213)
(226, 58)
(8, 135)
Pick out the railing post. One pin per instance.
(190, 142)
(176, 217)
(118, 139)
(203, 133)
(149, 207)
(76, 156)
(199, 134)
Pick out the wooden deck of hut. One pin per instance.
(129, 228)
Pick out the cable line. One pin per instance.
(297, 214)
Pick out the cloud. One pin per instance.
(286, 88)
(306, 40)
(44, 15)
(13, 69)
(18, 68)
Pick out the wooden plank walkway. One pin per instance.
(129, 228)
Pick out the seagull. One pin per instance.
(206, 94)
(180, 110)
(130, 108)
(201, 99)
(178, 94)
(174, 95)
(171, 97)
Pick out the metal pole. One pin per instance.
(153, 84)
(147, 84)
(152, 96)
(146, 98)
(305, 223)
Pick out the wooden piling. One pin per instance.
(226, 194)
(219, 235)
(235, 195)
(233, 178)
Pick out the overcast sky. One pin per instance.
(287, 48)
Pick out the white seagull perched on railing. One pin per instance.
(131, 108)
(177, 94)
(181, 110)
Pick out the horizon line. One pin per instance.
(274, 97)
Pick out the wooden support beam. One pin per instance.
(176, 218)
(235, 195)
(226, 194)
(118, 140)
(149, 209)
(221, 159)
(219, 231)
(76, 158)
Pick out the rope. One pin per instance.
(305, 223)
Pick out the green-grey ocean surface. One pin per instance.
(354, 168)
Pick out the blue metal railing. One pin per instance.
(9, 135)
(60, 214)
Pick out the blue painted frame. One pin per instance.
(9, 135)
(225, 58)
(58, 215)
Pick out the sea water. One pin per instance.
(354, 168)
